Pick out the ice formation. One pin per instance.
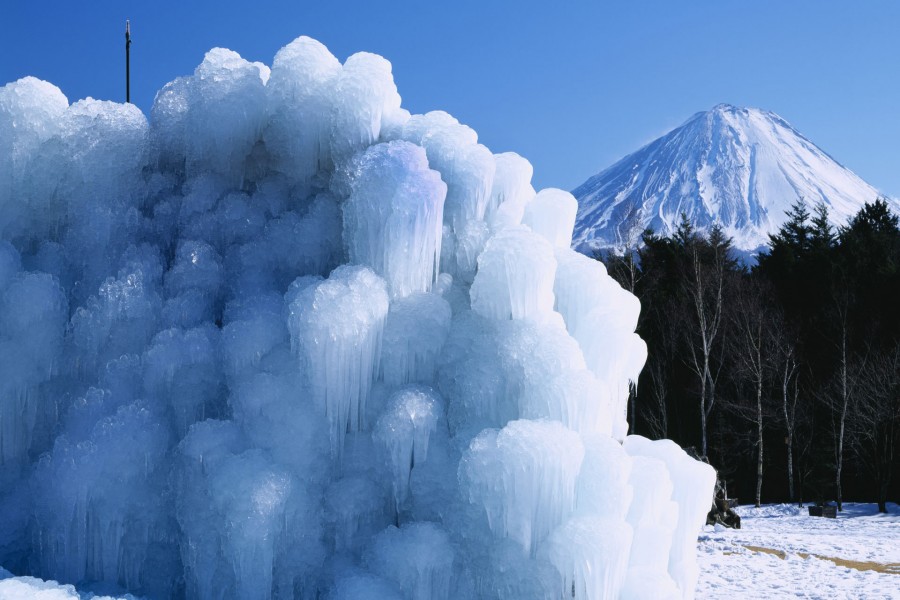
(283, 339)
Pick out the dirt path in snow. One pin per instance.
(892, 568)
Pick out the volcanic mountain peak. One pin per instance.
(740, 167)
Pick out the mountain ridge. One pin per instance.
(740, 167)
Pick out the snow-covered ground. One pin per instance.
(799, 566)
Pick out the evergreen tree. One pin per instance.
(821, 236)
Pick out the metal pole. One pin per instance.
(127, 61)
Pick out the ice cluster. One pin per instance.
(283, 339)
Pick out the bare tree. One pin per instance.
(754, 349)
(656, 413)
(805, 427)
(705, 286)
(876, 421)
(790, 394)
(841, 395)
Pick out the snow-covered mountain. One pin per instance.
(741, 167)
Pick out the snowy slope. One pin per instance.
(742, 167)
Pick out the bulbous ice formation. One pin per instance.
(552, 214)
(602, 317)
(524, 477)
(515, 277)
(286, 340)
(393, 217)
(403, 431)
(336, 328)
(414, 334)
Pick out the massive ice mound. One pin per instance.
(285, 340)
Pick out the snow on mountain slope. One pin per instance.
(741, 167)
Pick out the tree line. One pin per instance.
(786, 374)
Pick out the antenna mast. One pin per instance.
(127, 61)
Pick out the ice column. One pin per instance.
(188, 114)
(523, 476)
(511, 190)
(33, 314)
(515, 277)
(366, 99)
(336, 328)
(602, 317)
(30, 113)
(252, 497)
(418, 557)
(414, 334)
(588, 553)
(693, 483)
(403, 431)
(454, 151)
(392, 220)
(299, 107)
(552, 214)
(653, 515)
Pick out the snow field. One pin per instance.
(798, 548)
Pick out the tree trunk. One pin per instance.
(887, 463)
(845, 401)
(790, 465)
(789, 425)
(703, 416)
(759, 440)
(708, 321)
(632, 398)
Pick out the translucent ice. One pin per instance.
(403, 431)
(692, 480)
(299, 105)
(515, 277)
(33, 313)
(466, 166)
(523, 476)
(602, 317)
(188, 112)
(336, 327)
(30, 113)
(551, 213)
(88, 529)
(653, 516)
(364, 100)
(285, 339)
(418, 557)
(393, 218)
(414, 334)
(511, 190)
(588, 553)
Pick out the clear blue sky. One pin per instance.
(572, 86)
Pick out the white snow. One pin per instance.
(803, 570)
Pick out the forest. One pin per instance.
(785, 374)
